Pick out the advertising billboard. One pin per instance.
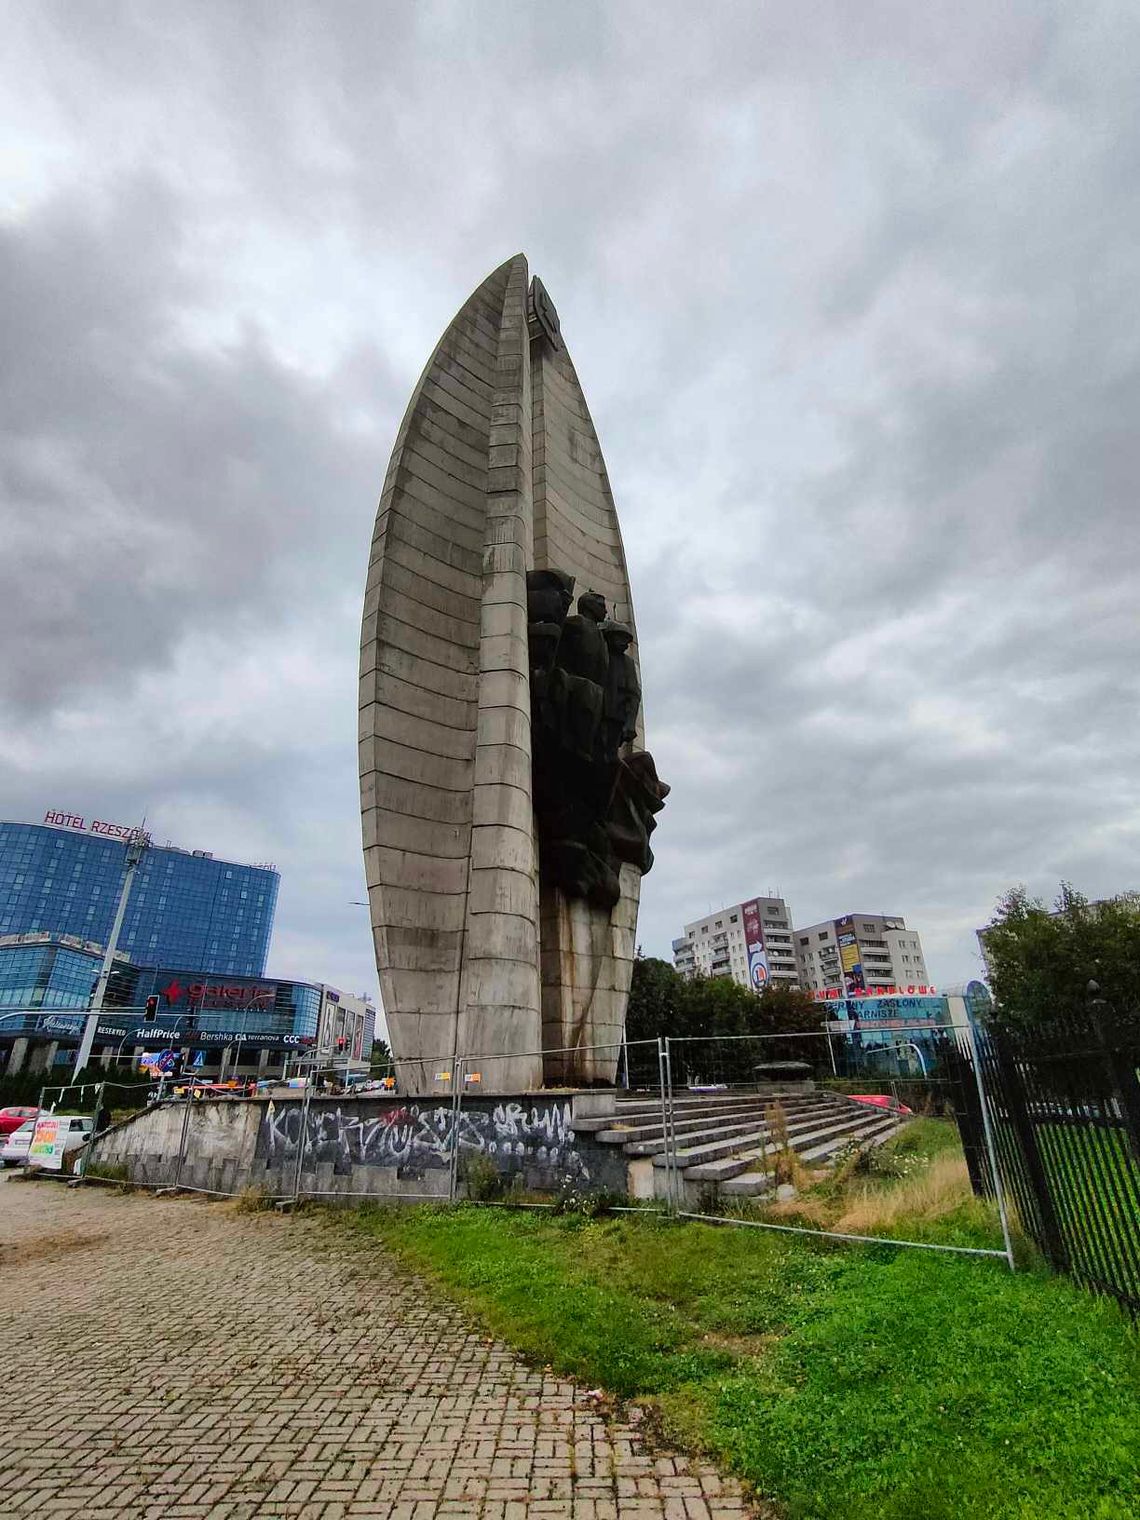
(889, 1013)
(850, 957)
(758, 972)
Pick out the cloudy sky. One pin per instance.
(852, 292)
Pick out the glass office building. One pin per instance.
(45, 989)
(185, 908)
(43, 971)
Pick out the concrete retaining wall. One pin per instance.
(373, 1147)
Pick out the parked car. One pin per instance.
(76, 1132)
(15, 1148)
(12, 1119)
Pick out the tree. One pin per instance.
(380, 1060)
(708, 1015)
(1041, 961)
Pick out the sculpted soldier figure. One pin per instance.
(623, 691)
(549, 594)
(578, 684)
(594, 809)
(639, 793)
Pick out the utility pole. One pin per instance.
(136, 849)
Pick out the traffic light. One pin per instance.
(151, 1009)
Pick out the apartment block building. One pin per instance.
(860, 952)
(750, 941)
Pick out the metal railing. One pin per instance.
(1062, 1101)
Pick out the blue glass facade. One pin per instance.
(184, 909)
(51, 979)
(46, 975)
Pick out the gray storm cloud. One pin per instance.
(850, 291)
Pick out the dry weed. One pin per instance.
(938, 1190)
(816, 1212)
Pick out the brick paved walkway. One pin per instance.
(173, 1358)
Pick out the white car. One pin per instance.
(15, 1150)
(76, 1132)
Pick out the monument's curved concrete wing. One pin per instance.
(496, 470)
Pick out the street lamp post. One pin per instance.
(136, 849)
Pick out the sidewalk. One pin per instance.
(173, 1358)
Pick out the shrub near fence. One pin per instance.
(1064, 1105)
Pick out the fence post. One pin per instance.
(456, 1108)
(991, 1149)
(81, 1159)
(664, 1117)
(182, 1139)
(302, 1139)
(1122, 1074)
(968, 1105)
(1013, 1087)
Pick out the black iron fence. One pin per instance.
(1063, 1102)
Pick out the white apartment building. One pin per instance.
(751, 942)
(346, 1028)
(861, 952)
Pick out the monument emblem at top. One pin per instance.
(507, 799)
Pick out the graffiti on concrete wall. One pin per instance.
(418, 1137)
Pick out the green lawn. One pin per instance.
(841, 1382)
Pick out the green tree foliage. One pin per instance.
(702, 1011)
(380, 1061)
(1041, 962)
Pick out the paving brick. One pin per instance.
(205, 1363)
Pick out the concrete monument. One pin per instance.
(506, 797)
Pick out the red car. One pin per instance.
(12, 1118)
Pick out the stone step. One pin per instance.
(753, 1184)
(875, 1132)
(731, 1140)
(803, 1141)
(744, 1124)
(651, 1098)
(650, 1111)
(632, 1134)
(648, 1114)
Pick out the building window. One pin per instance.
(822, 934)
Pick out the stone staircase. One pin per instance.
(722, 1140)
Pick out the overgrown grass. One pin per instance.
(107, 1171)
(915, 1186)
(842, 1382)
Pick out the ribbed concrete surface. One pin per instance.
(587, 954)
(496, 470)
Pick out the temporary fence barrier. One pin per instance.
(697, 1127)
(786, 1102)
(58, 1096)
(466, 1140)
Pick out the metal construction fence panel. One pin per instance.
(1063, 1102)
(762, 1129)
(461, 1137)
(721, 1128)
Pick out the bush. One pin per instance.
(572, 1198)
(483, 1181)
